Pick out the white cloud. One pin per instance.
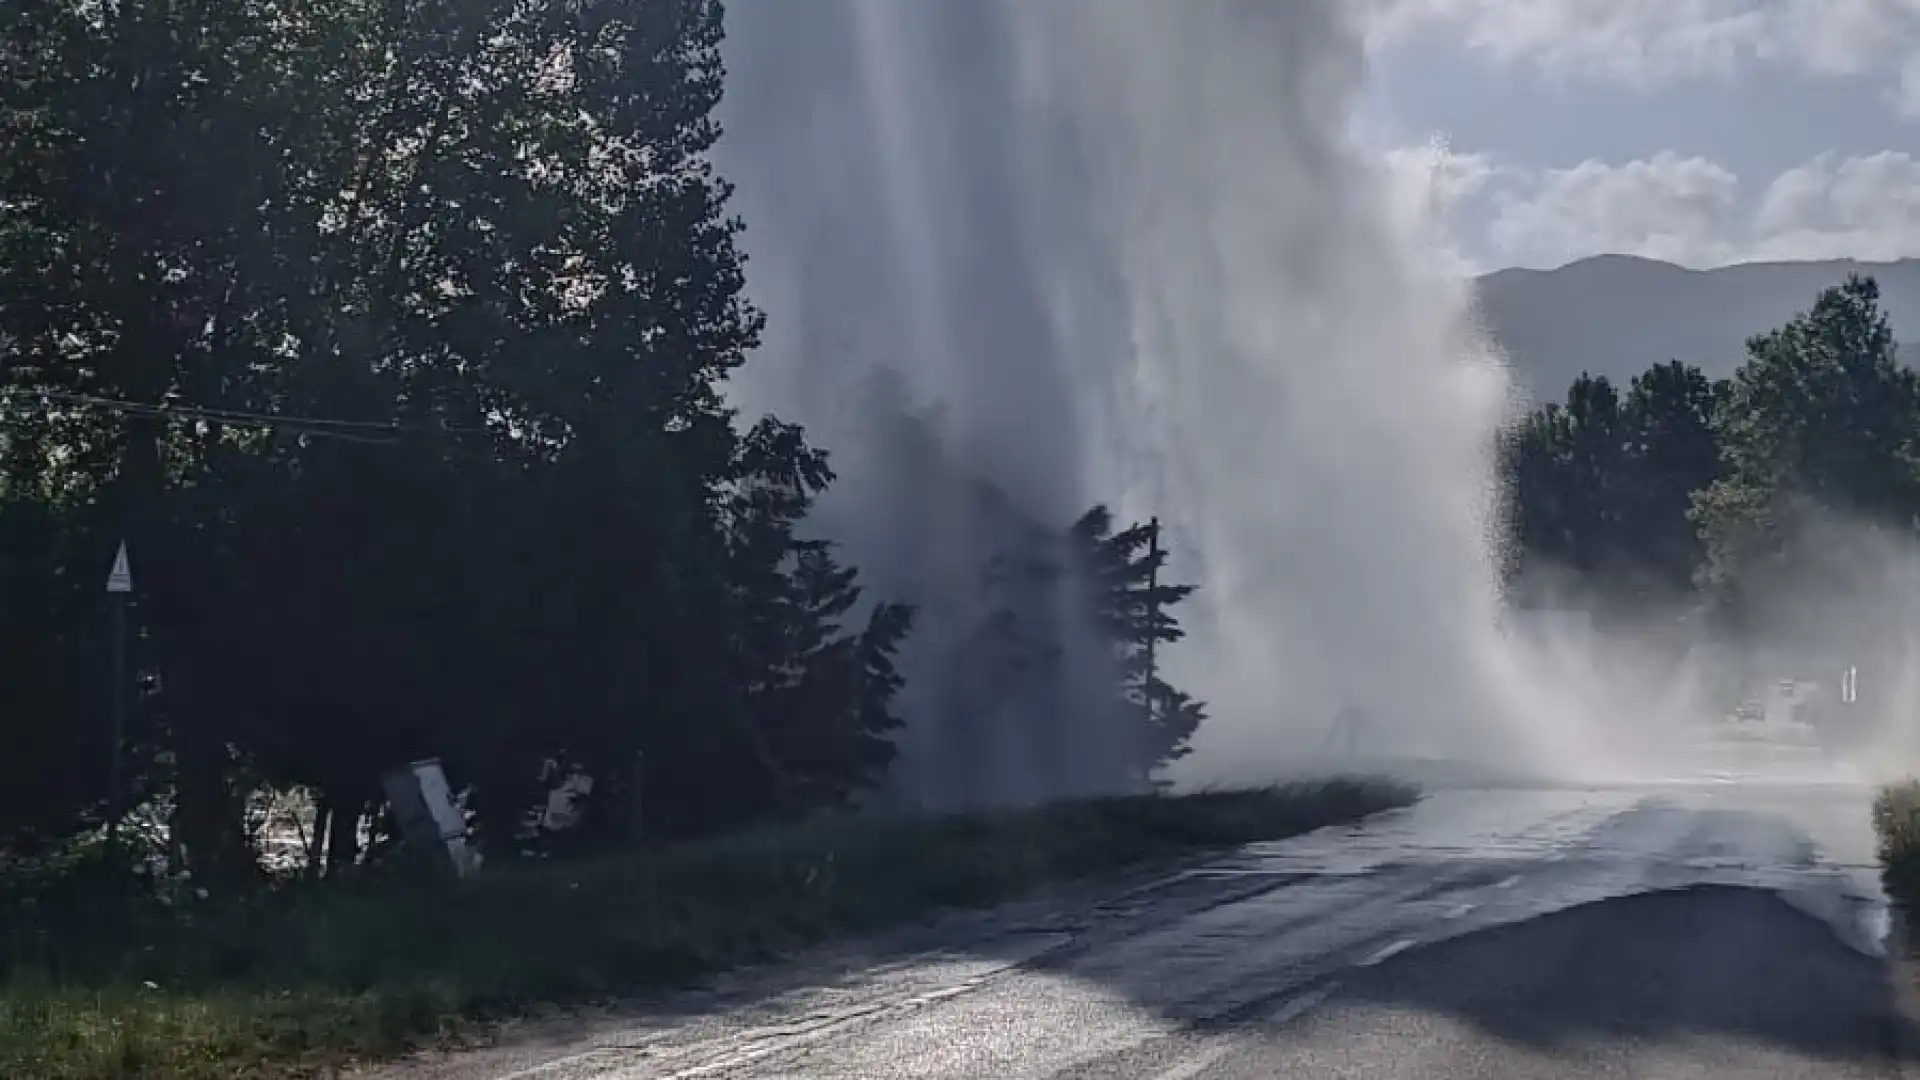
(1860, 207)
(1655, 42)
(1651, 40)
(1844, 37)
(1907, 94)
(1666, 207)
(1696, 212)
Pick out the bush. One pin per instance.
(1896, 823)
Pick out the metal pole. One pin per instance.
(115, 794)
(1153, 593)
(1153, 633)
(119, 588)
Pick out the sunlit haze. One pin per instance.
(1133, 254)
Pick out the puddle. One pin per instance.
(1503, 856)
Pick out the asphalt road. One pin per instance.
(1711, 930)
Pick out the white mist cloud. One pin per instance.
(1430, 182)
(1685, 209)
(1133, 250)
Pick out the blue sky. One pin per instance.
(1700, 131)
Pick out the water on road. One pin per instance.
(1707, 926)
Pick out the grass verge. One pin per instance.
(298, 982)
(1896, 825)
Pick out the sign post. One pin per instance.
(119, 590)
(424, 808)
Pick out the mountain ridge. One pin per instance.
(1616, 314)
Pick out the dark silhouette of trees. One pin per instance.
(1601, 485)
(392, 339)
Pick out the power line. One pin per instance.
(349, 431)
(367, 431)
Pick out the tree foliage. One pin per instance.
(1820, 422)
(484, 243)
(1759, 499)
(393, 337)
(1058, 691)
(1600, 485)
(1134, 610)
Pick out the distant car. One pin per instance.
(1750, 712)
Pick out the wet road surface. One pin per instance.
(1697, 930)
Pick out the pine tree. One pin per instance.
(1135, 610)
(816, 705)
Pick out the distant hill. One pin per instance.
(1615, 315)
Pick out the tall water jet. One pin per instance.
(1123, 250)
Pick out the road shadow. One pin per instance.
(1716, 961)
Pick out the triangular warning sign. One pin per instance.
(120, 578)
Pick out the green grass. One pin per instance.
(1896, 824)
(293, 983)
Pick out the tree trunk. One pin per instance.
(343, 834)
(206, 821)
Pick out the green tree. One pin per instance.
(1599, 487)
(1566, 465)
(1820, 423)
(1671, 452)
(817, 707)
(1072, 640)
(52, 654)
(482, 249)
(1135, 611)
